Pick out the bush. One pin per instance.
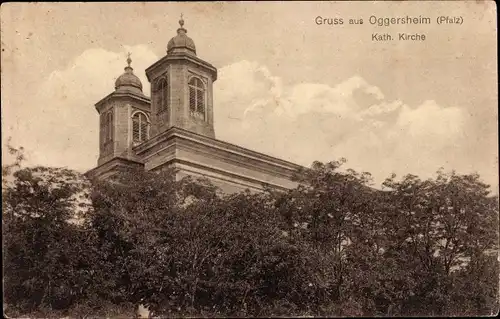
(331, 247)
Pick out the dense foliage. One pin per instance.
(331, 247)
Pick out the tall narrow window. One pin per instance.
(140, 128)
(197, 98)
(109, 126)
(106, 127)
(102, 125)
(162, 95)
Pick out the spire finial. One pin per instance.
(129, 60)
(181, 21)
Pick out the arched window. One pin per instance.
(197, 98)
(162, 94)
(140, 128)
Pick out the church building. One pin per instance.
(174, 127)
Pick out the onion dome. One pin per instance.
(181, 42)
(128, 80)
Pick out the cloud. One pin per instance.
(57, 123)
(353, 119)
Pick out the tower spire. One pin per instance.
(129, 60)
(181, 23)
(128, 68)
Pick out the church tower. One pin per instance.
(181, 88)
(175, 128)
(124, 120)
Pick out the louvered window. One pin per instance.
(106, 127)
(197, 98)
(162, 94)
(140, 128)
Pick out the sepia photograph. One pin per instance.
(249, 159)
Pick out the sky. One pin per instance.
(286, 86)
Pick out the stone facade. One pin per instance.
(175, 128)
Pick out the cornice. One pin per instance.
(233, 177)
(237, 182)
(182, 57)
(127, 95)
(110, 165)
(219, 145)
(240, 161)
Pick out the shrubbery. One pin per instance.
(331, 247)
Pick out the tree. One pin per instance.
(438, 225)
(333, 246)
(42, 246)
